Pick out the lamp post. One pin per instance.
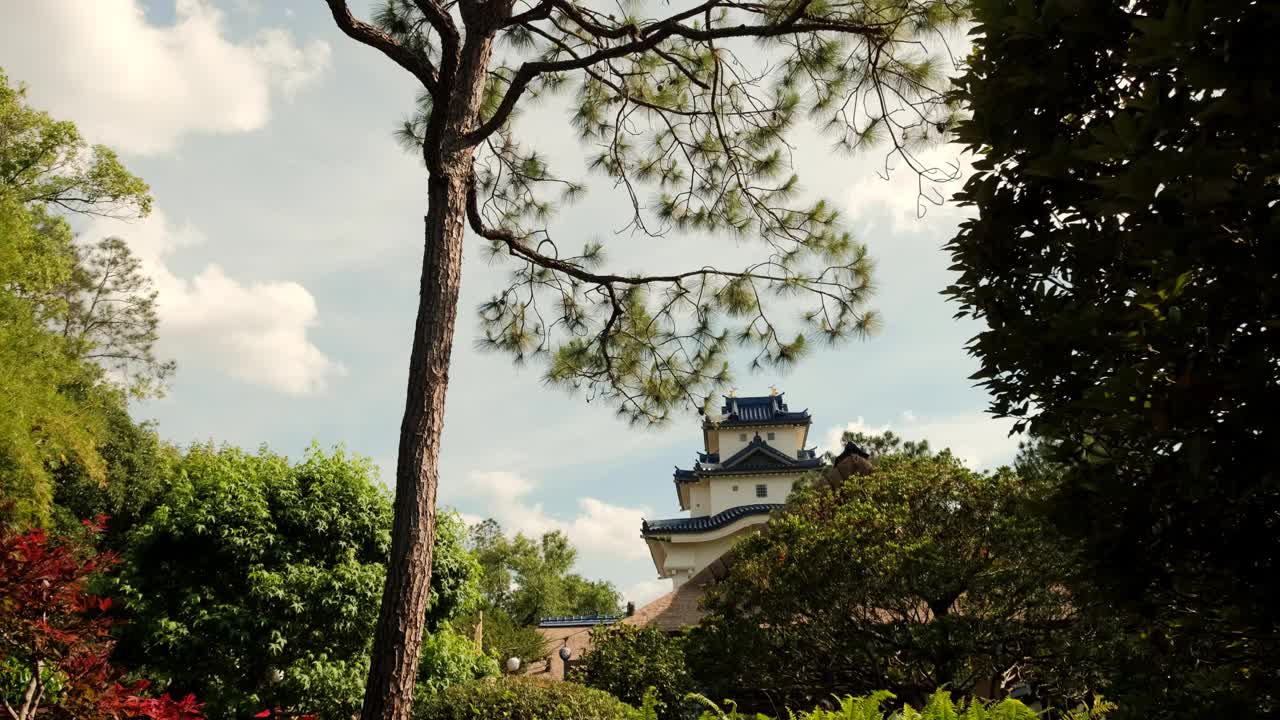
(565, 652)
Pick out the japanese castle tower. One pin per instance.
(754, 452)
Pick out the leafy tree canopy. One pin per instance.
(920, 575)
(1124, 256)
(530, 580)
(255, 582)
(632, 662)
(77, 323)
(690, 115)
(886, 443)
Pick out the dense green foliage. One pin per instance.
(920, 575)
(255, 582)
(1124, 256)
(938, 706)
(77, 322)
(531, 579)
(503, 637)
(628, 661)
(448, 658)
(518, 698)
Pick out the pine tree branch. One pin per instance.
(420, 67)
(450, 39)
(647, 38)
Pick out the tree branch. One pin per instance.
(648, 38)
(420, 67)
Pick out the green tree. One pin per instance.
(138, 466)
(57, 403)
(1124, 256)
(109, 317)
(255, 582)
(919, 576)
(692, 109)
(502, 637)
(529, 580)
(628, 662)
(53, 414)
(887, 443)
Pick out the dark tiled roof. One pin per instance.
(579, 621)
(765, 410)
(703, 524)
(757, 457)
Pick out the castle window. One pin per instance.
(770, 436)
(735, 488)
(742, 437)
(762, 491)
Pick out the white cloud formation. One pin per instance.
(255, 331)
(903, 199)
(140, 87)
(599, 530)
(643, 592)
(979, 440)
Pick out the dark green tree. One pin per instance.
(627, 661)
(688, 111)
(255, 581)
(138, 466)
(918, 576)
(1124, 255)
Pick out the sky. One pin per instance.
(286, 247)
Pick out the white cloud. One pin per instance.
(642, 593)
(904, 199)
(254, 331)
(976, 438)
(141, 87)
(599, 530)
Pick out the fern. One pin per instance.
(940, 706)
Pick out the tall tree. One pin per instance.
(63, 308)
(531, 579)
(109, 317)
(1125, 256)
(682, 105)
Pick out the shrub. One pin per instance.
(448, 658)
(54, 643)
(517, 698)
(626, 661)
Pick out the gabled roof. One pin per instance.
(763, 410)
(578, 621)
(757, 457)
(677, 526)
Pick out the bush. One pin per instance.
(448, 658)
(517, 698)
(626, 661)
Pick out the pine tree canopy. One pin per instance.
(688, 110)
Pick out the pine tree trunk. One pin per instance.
(398, 638)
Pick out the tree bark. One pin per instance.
(398, 638)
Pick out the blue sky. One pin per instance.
(286, 247)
